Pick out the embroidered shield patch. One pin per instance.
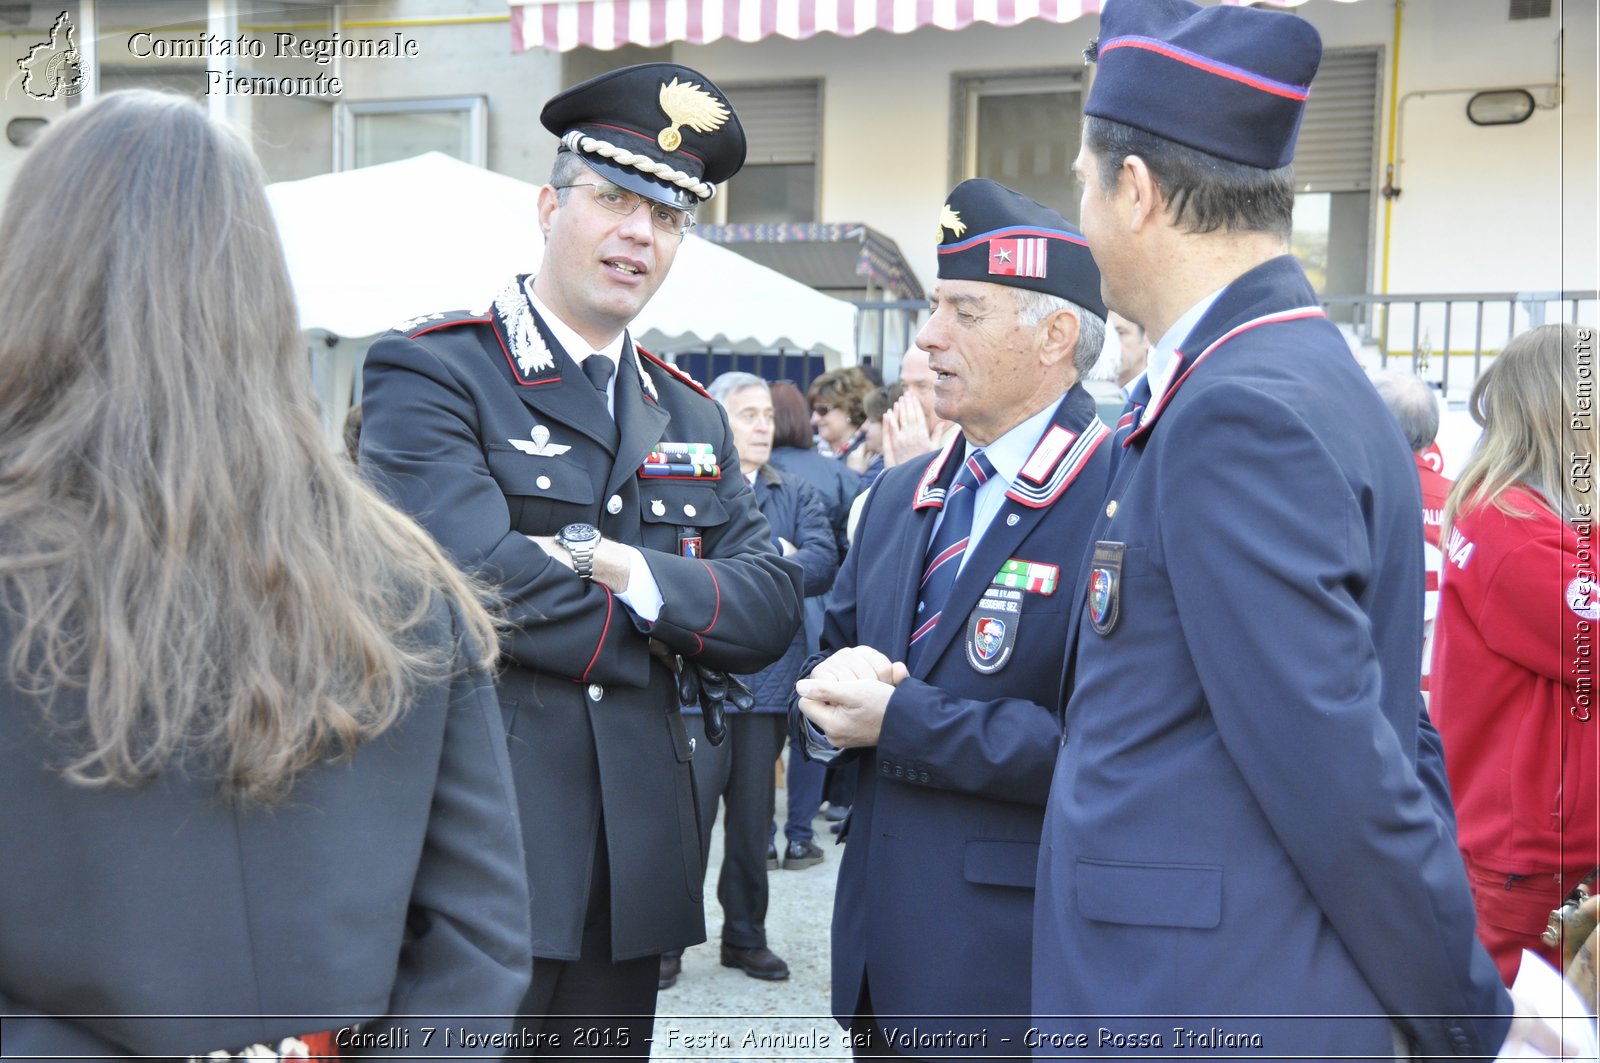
(992, 629)
(1105, 586)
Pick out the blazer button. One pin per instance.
(689, 510)
(543, 483)
(614, 505)
(923, 777)
(884, 767)
(596, 691)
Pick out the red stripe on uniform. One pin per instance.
(603, 631)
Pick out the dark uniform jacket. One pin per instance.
(934, 906)
(487, 432)
(389, 885)
(1237, 826)
(795, 512)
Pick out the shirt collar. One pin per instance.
(1010, 452)
(1159, 368)
(575, 345)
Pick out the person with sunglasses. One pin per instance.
(598, 489)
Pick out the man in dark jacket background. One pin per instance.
(739, 772)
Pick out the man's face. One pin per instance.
(986, 364)
(1099, 220)
(750, 416)
(1135, 351)
(599, 268)
(918, 379)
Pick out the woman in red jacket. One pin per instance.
(1514, 649)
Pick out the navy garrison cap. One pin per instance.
(659, 129)
(1228, 81)
(989, 233)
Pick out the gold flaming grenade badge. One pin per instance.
(686, 103)
(950, 219)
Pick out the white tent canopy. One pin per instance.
(369, 248)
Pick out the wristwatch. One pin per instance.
(581, 541)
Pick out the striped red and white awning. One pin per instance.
(562, 25)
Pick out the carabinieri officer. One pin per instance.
(945, 630)
(598, 489)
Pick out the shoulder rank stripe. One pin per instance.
(1066, 468)
(675, 371)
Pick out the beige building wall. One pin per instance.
(1509, 208)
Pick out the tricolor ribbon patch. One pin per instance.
(1034, 576)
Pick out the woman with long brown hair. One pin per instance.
(1513, 665)
(253, 771)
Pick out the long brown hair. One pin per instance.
(178, 541)
(1535, 404)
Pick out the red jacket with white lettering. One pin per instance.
(1513, 687)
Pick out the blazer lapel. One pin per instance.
(1074, 433)
(909, 553)
(549, 382)
(640, 423)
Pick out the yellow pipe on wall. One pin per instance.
(1394, 107)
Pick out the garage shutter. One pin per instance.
(781, 121)
(1338, 136)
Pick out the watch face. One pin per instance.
(580, 533)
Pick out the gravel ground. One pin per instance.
(717, 1012)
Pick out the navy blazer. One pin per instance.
(1237, 835)
(934, 903)
(387, 889)
(487, 432)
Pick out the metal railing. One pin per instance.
(1444, 337)
(1448, 338)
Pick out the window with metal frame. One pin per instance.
(1022, 130)
(783, 130)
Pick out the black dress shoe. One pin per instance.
(772, 857)
(671, 967)
(759, 963)
(801, 855)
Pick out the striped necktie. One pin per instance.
(946, 551)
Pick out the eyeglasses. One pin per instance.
(822, 409)
(620, 201)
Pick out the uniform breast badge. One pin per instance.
(538, 444)
(1105, 586)
(682, 461)
(992, 629)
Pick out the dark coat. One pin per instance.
(389, 885)
(592, 714)
(934, 906)
(794, 512)
(836, 483)
(1237, 825)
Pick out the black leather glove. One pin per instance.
(713, 695)
(740, 695)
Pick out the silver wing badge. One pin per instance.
(538, 444)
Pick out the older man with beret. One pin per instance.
(944, 636)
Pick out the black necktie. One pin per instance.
(598, 368)
(949, 545)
